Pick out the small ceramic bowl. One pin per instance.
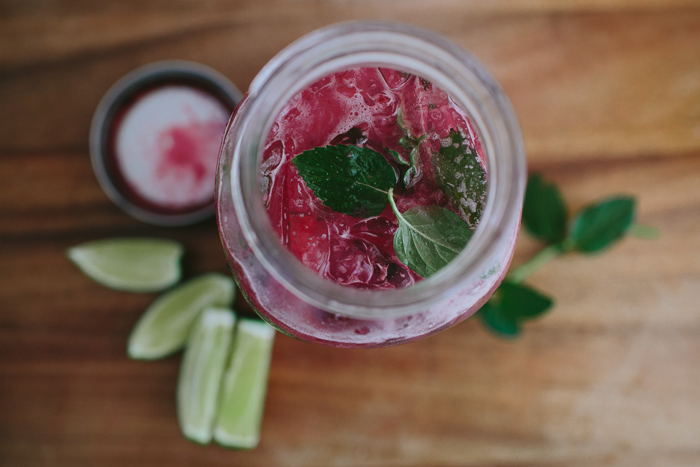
(110, 111)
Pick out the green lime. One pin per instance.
(131, 264)
(164, 327)
(200, 373)
(244, 386)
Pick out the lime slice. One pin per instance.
(131, 264)
(164, 327)
(200, 373)
(244, 386)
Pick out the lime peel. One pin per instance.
(165, 326)
(200, 373)
(244, 386)
(132, 264)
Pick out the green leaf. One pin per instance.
(544, 210)
(599, 225)
(519, 301)
(512, 304)
(348, 179)
(498, 323)
(429, 237)
(460, 175)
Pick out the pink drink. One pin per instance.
(334, 279)
(357, 107)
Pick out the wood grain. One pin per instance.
(622, 84)
(608, 96)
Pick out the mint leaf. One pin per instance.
(460, 175)
(511, 305)
(348, 179)
(544, 211)
(598, 225)
(428, 237)
(498, 323)
(519, 301)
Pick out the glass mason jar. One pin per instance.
(293, 298)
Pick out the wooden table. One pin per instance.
(608, 95)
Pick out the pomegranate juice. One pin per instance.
(407, 120)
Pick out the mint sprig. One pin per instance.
(359, 182)
(593, 228)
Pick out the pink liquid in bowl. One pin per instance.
(165, 145)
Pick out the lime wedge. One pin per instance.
(244, 386)
(164, 327)
(200, 373)
(131, 264)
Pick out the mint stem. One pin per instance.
(525, 270)
(393, 204)
(645, 232)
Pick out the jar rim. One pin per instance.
(406, 48)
